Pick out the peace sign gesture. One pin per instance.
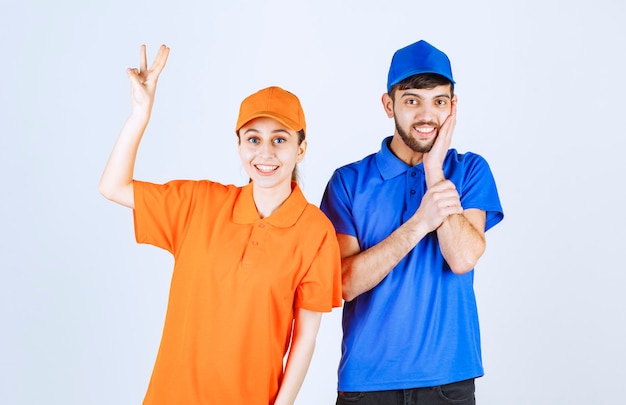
(116, 183)
(143, 81)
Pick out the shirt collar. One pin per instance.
(388, 164)
(285, 216)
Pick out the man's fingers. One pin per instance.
(449, 123)
(442, 186)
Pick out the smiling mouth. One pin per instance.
(424, 130)
(424, 133)
(266, 168)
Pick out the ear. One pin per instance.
(301, 151)
(453, 104)
(388, 105)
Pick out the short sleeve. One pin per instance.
(161, 211)
(479, 189)
(320, 288)
(337, 205)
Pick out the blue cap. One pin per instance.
(420, 57)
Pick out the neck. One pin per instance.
(403, 152)
(268, 200)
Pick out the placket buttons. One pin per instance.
(412, 191)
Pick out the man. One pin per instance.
(411, 222)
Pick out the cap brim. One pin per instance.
(418, 72)
(282, 119)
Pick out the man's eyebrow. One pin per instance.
(416, 95)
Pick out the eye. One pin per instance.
(411, 101)
(441, 102)
(279, 140)
(253, 140)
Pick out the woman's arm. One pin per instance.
(306, 326)
(116, 182)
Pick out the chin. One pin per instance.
(268, 182)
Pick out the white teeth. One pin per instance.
(424, 130)
(265, 168)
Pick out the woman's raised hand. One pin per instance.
(143, 81)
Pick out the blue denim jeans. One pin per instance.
(458, 393)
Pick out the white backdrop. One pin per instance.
(541, 96)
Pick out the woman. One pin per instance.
(255, 266)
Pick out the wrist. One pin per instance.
(434, 178)
(140, 114)
(433, 172)
(416, 228)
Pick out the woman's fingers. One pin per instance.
(143, 62)
(160, 60)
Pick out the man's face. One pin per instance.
(419, 113)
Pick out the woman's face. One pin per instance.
(269, 152)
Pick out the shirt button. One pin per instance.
(412, 192)
(254, 243)
(261, 225)
(413, 174)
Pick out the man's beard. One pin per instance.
(412, 142)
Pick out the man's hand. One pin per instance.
(433, 160)
(440, 201)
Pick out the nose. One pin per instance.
(425, 113)
(266, 149)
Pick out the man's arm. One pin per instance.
(462, 239)
(461, 236)
(363, 270)
(116, 183)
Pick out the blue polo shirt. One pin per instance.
(419, 326)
